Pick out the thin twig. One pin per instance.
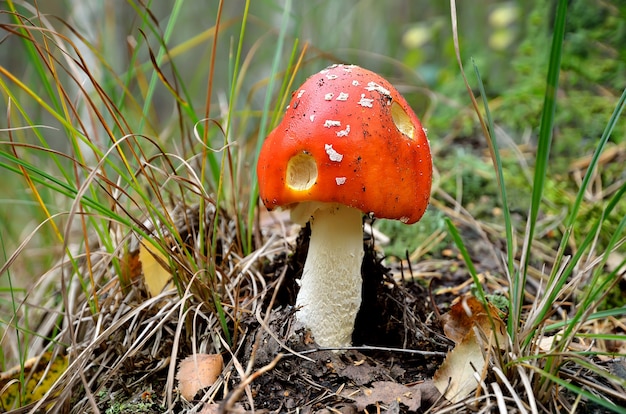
(374, 348)
(227, 405)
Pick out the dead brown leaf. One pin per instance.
(387, 392)
(360, 374)
(198, 371)
(468, 313)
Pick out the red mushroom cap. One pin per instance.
(348, 137)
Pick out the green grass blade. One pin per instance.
(570, 221)
(516, 287)
(171, 23)
(264, 126)
(14, 309)
(33, 56)
(543, 146)
(582, 248)
(579, 391)
(458, 241)
(479, 291)
(547, 115)
(600, 284)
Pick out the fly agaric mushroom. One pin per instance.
(348, 144)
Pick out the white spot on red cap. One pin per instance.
(327, 69)
(330, 123)
(340, 180)
(329, 96)
(373, 86)
(302, 91)
(355, 83)
(342, 96)
(366, 102)
(344, 132)
(331, 76)
(312, 117)
(332, 154)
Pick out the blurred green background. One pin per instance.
(409, 42)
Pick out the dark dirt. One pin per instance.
(398, 345)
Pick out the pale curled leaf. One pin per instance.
(198, 371)
(455, 377)
(387, 392)
(476, 331)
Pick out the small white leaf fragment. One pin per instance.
(344, 132)
(330, 123)
(366, 102)
(329, 96)
(342, 96)
(340, 180)
(332, 154)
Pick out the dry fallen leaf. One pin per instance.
(156, 277)
(387, 392)
(198, 371)
(360, 373)
(469, 325)
(468, 313)
(455, 376)
(458, 321)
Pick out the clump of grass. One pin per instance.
(110, 159)
(556, 342)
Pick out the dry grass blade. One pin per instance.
(247, 380)
(509, 387)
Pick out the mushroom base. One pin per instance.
(330, 291)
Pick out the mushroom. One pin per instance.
(348, 144)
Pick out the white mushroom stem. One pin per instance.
(330, 291)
